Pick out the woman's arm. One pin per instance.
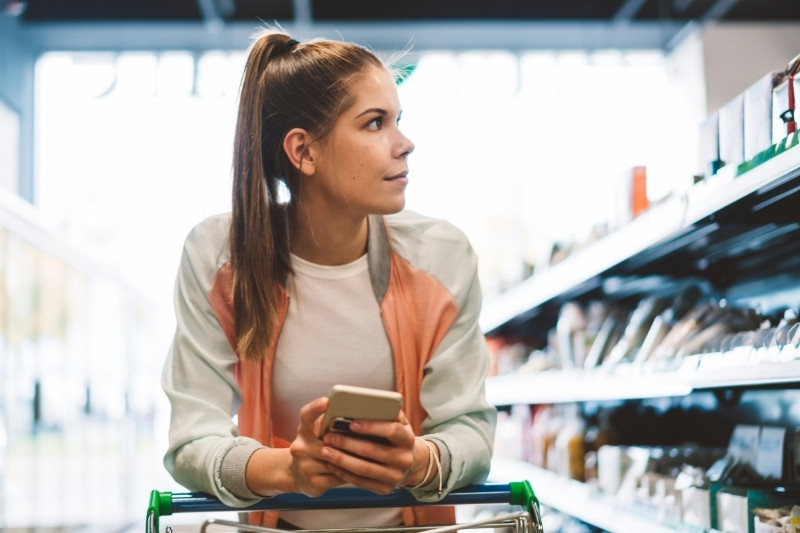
(205, 451)
(460, 420)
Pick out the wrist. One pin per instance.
(425, 468)
(269, 471)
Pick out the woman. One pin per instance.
(283, 298)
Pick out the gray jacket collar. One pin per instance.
(378, 255)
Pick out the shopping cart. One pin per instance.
(515, 494)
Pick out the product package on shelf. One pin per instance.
(667, 483)
(729, 509)
(703, 329)
(638, 325)
(784, 102)
(761, 456)
(570, 330)
(709, 161)
(771, 511)
(745, 509)
(688, 331)
(667, 333)
(639, 200)
(694, 498)
(784, 519)
(758, 115)
(666, 320)
(731, 134)
(748, 485)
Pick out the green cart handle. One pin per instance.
(514, 493)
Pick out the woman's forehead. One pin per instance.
(374, 88)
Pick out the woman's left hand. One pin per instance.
(399, 460)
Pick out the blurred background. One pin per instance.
(116, 128)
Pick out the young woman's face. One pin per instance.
(360, 167)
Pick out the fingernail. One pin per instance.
(326, 453)
(355, 426)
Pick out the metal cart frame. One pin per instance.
(515, 493)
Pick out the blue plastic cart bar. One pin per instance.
(514, 493)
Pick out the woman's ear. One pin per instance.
(296, 145)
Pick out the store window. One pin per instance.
(518, 149)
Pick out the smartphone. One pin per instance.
(348, 403)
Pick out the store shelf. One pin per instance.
(761, 182)
(737, 239)
(577, 273)
(728, 230)
(574, 498)
(711, 371)
(555, 386)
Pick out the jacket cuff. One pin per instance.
(232, 470)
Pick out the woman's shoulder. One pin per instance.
(410, 224)
(208, 240)
(211, 227)
(432, 245)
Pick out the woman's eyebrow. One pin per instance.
(378, 110)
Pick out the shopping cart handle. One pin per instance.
(514, 493)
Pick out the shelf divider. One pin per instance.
(762, 368)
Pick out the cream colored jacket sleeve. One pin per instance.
(205, 451)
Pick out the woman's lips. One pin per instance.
(403, 176)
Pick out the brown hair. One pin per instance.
(285, 85)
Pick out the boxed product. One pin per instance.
(695, 507)
(731, 510)
(743, 445)
(612, 464)
(731, 132)
(770, 455)
(742, 509)
(758, 115)
(709, 161)
(784, 116)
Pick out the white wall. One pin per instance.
(737, 55)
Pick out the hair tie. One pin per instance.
(288, 46)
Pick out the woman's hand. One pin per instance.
(298, 468)
(309, 469)
(379, 467)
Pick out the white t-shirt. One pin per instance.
(332, 334)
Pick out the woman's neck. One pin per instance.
(336, 241)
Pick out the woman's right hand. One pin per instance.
(298, 468)
(310, 472)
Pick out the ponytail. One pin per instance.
(259, 249)
(285, 85)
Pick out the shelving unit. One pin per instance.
(739, 236)
(730, 231)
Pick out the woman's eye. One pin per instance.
(375, 124)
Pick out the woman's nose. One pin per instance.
(407, 146)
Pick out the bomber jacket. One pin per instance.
(424, 276)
